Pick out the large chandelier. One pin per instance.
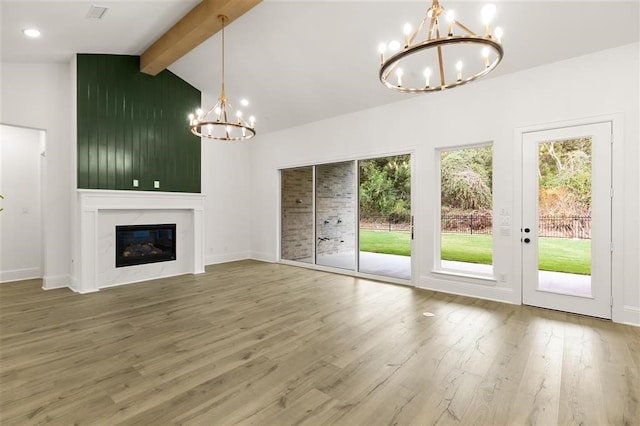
(434, 60)
(222, 122)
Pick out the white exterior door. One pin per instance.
(566, 233)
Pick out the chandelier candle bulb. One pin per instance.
(427, 76)
(381, 49)
(407, 34)
(399, 75)
(451, 18)
(485, 55)
(459, 70)
(498, 34)
(488, 11)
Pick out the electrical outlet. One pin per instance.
(156, 184)
(136, 183)
(502, 278)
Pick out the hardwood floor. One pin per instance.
(268, 344)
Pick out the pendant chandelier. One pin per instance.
(222, 122)
(434, 60)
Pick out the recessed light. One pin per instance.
(31, 32)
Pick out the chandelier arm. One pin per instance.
(464, 28)
(415, 34)
(441, 66)
(432, 24)
(210, 110)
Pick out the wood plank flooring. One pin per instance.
(266, 344)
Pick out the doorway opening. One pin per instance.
(21, 220)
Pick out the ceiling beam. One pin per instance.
(195, 27)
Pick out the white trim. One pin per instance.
(467, 288)
(489, 280)
(264, 257)
(227, 257)
(630, 315)
(20, 274)
(56, 281)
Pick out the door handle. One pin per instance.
(526, 240)
(412, 227)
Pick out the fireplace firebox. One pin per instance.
(140, 244)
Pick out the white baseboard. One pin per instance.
(264, 257)
(53, 282)
(20, 274)
(496, 294)
(630, 315)
(227, 257)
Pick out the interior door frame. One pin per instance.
(617, 205)
(42, 183)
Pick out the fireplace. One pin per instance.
(140, 244)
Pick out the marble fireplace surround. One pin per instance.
(101, 210)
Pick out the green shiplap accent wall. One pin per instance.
(134, 126)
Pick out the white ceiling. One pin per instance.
(301, 61)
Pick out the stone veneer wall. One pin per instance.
(335, 208)
(297, 214)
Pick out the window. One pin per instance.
(465, 243)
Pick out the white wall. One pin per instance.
(225, 183)
(37, 96)
(489, 110)
(21, 242)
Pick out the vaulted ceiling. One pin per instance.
(300, 61)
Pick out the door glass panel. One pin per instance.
(335, 215)
(297, 214)
(385, 216)
(564, 216)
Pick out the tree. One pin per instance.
(466, 178)
(564, 172)
(385, 187)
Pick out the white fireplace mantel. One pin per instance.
(98, 206)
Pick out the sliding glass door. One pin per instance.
(335, 215)
(350, 215)
(296, 216)
(385, 226)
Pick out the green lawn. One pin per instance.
(385, 242)
(556, 254)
